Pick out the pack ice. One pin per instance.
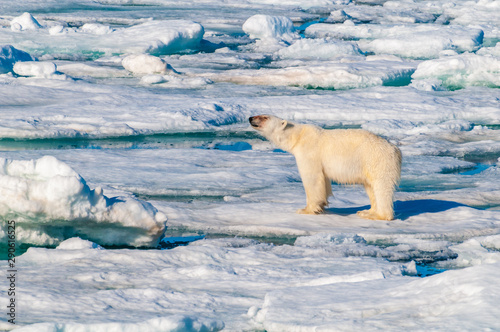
(149, 100)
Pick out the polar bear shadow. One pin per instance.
(345, 211)
(404, 209)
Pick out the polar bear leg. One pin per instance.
(317, 186)
(381, 195)
(384, 194)
(328, 188)
(367, 214)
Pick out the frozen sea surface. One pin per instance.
(144, 201)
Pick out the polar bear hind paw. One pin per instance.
(308, 210)
(366, 214)
(370, 214)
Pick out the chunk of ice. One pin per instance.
(50, 201)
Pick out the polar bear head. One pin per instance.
(267, 123)
(271, 127)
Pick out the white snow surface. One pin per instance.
(333, 307)
(101, 140)
(250, 286)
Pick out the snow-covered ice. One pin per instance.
(144, 64)
(25, 22)
(144, 201)
(49, 201)
(455, 300)
(240, 284)
(9, 55)
(461, 71)
(269, 27)
(89, 41)
(318, 49)
(34, 68)
(411, 41)
(334, 75)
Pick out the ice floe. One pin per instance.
(321, 48)
(326, 75)
(461, 71)
(154, 37)
(50, 202)
(314, 284)
(75, 243)
(391, 12)
(97, 29)
(455, 299)
(66, 109)
(239, 272)
(411, 41)
(90, 69)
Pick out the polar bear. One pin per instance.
(346, 156)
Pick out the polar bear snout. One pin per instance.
(258, 121)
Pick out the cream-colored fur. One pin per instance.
(345, 156)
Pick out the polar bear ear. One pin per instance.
(284, 123)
